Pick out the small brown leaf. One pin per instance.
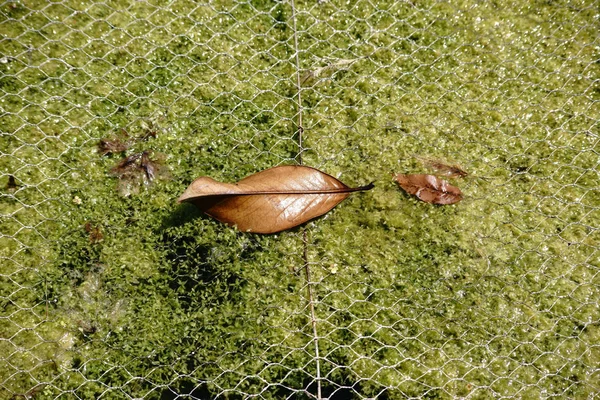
(117, 144)
(108, 146)
(269, 201)
(94, 231)
(11, 185)
(429, 188)
(450, 170)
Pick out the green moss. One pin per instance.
(492, 297)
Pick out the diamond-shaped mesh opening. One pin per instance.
(109, 289)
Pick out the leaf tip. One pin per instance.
(186, 195)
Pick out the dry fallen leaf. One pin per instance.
(269, 201)
(429, 188)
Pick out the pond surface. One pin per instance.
(109, 288)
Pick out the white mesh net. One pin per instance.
(109, 289)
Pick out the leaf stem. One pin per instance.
(281, 192)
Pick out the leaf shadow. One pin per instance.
(183, 214)
(199, 257)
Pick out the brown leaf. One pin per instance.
(450, 170)
(117, 144)
(269, 201)
(108, 146)
(94, 231)
(11, 185)
(429, 188)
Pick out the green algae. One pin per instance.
(492, 297)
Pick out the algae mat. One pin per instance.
(109, 289)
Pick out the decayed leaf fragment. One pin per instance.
(450, 170)
(429, 188)
(139, 169)
(94, 231)
(269, 201)
(316, 73)
(116, 144)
